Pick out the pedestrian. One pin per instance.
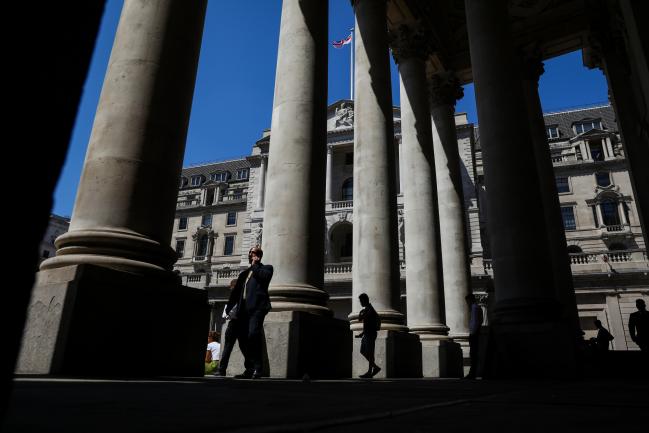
(639, 325)
(232, 330)
(254, 304)
(371, 326)
(213, 351)
(475, 322)
(603, 337)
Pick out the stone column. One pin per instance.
(125, 203)
(445, 89)
(217, 194)
(375, 255)
(608, 52)
(623, 219)
(329, 169)
(425, 295)
(117, 256)
(294, 218)
(525, 316)
(425, 301)
(262, 183)
(532, 68)
(598, 211)
(400, 166)
(376, 249)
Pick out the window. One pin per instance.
(587, 125)
(553, 131)
(349, 158)
(231, 219)
(180, 248)
(346, 249)
(229, 246)
(182, 223)
(609, 213)
(183, 182)
(563, 185)
(348, 189)
(617, 246)
(207, 220)
(243, 173)
(219, 177)
(603, 179)
(568, 214)
(197, 180)
(596, 151)
(202, 246)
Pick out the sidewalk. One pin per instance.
(270, 405)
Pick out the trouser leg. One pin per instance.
(228, 345)
(255, 338)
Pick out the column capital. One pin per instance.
(444, 89)
(532, 66)
(408, 42)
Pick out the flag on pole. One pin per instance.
(342, 42)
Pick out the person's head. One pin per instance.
(640, 304)
(255, 251)
(233, 283)
(470, 298)
(365, 300)
(213, 336)
(598, 323)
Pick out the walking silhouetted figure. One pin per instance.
(475, 322)
(603, 337)
(639, 325)
(371, 325)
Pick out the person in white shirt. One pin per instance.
(213, 352)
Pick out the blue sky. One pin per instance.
(233, 97)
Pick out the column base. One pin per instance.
(399, 354)
(529, 350)
(299, 297)
(298, 343)
(87, 320)
(441, 357)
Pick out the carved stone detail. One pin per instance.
(407, 42)
(445, 89)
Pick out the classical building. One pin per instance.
(220, 215)
(55, 228)
(117, 254)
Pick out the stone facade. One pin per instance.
(608, 261)
(56, 227)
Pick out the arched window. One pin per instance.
(609, 213)
(348, 189)
(574, 249)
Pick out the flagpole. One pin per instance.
(351, 65)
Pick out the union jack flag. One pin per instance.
(340, 43)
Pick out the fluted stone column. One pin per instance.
(424, 287)
(532, 68)
(445, 90)
(113, 269)
(375, 253)
(294, 218)
(330, 152)
(526, 338)
(126, 199)
(262, 183)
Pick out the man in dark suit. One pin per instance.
(252, 289)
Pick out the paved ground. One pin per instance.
(267, 405)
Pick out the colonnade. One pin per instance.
(126, 200)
